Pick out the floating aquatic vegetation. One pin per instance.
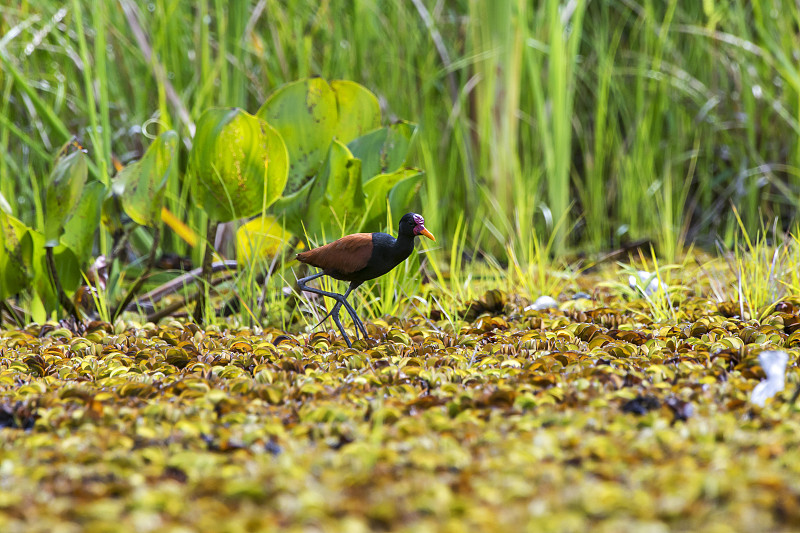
(511, 418)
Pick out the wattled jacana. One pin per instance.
(360, 257)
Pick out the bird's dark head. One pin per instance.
(412, 225)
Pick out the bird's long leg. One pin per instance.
(340, 301)
(334, 313)
(335, 309)
(350, 310)
(359, 324)
(335, 317)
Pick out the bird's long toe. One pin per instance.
(360, 326)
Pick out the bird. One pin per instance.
(358, 258)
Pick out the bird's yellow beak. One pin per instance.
(428, 234)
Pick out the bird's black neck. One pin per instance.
(387, 253)
(404, 244)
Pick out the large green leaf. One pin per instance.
(334, 193)
(112, 214)
(23, 262)
(337, 196)
(397, 189)
(15, 256)
(293, 207)
(238, 164)
(383, 151)
(305, 115)
(326, 176)
(144, 181)
(63, 190)
(358, 110)
(260, 239)
(403, 195)
(67, 267)
(80, 228)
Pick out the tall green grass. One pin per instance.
(625, 119)
(765, 268)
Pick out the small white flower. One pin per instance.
(774, 364)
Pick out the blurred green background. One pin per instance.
(584, 123)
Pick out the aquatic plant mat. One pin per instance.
(586, 418)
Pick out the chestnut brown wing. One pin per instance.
(346, 255)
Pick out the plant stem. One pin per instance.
(211, 236)
(13, 312)
(63, 299)
(262, 279)
(120, 241)
(151, 261)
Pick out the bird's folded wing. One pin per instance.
(347, 255)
